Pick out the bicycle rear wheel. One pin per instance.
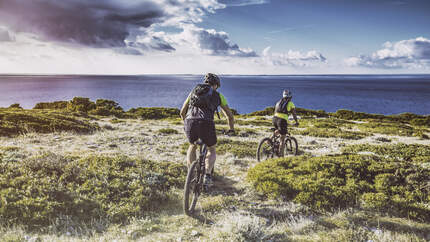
(291, 146)
(191, 189)
(265, 150)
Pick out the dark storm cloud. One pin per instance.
(218, 43)
(93, 23)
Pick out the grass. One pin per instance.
(167, 131)
(18, 121)
(380, 190)
(339, 181)
(39, 190)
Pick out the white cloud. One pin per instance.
(5, 35)
(408, 54)
(292, 58)
(241, 3)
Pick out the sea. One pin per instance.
(381, 94)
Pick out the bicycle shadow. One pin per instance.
(224, 186)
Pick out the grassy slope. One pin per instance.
(233, 210)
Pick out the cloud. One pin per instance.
(241, 3)
(219, 44)
(5, 35)
(103, 23)
(292, 58)
(412, 53)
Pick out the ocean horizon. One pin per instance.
(383, 94)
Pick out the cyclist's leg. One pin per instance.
(282, 145)
(191, 131)
(208, 136)
(191, 154)
(282, 123)
(210, 159)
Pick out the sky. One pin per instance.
(286, 37)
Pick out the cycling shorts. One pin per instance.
(280, 124)
(203, 129)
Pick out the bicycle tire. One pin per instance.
(190, 189)
(291, 146)
(261, 151)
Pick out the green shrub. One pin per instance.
(329, 131)
(52, 105)
(80, 104)
(240, 149)
(267, 111)
(414, 119)
(168, 131)
(17, 121)
(15, 105)
(394, 151)
(388, 128)
(154, 113)
(341, 181)
(37, 191)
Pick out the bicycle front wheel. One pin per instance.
(191, 189)
(265, 150)
(291, 146)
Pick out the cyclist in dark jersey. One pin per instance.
(280, 120)
(199, 123)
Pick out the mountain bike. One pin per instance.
(194, 185)
(269, 146)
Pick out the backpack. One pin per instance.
(281, 105)
(201, 97)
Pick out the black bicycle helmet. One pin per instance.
(212, 79)
(287, 93)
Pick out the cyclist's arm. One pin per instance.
(293, 111)
(229, 114)
(227, 111)
(184, 108)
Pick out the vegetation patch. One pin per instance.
(269, 111)
(154, 113)
(37, 191)
(382, 184)
(168, 131)
(329, 132)
(390, 128)
(409, 153)
(414, 119)
(240, 149)
(18, 121)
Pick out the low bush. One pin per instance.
(393, 151)
(36, 191)
(414, 119)
(340, 181)
(15, 105)
(52, 105)
(329, 131)
(17, 121)
(168, 131)
(388, 128)
(153, 113)
(269, 111)
(240, 149)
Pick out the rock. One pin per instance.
(113, 145)
(313, 142)
(194, 233)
